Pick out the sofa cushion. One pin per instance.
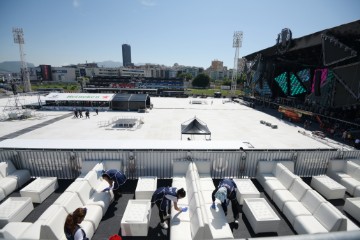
(337, 165)
(69, 200)
(83, 189)
(50, 227)
(299, 188)
(219, 229)
(350, 183)
(271, 185)
(177, 216)
(194, 203)
(101, 199)
(263, 177)
(356, 174)
(13, 230)
(206, 184)
(94, 178)
(10, 168)
(197, 224)
(312, 200)
(22, 176)
(287, 178)
(294, 209)
(308, 225)
(93, 215)
(8, 185)
(281, 197)
(33, 231)
(191, 189)
(3, 167)
(329, 218)
(351, 168)
(278, 169)
(180, 231)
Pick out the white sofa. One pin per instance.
(347, 173)
(306, 210)
(85, 191)
(11, 178)
(200, 221)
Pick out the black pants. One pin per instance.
(234, 207)
(162, 213)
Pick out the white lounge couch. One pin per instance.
(347, 173)
(85, 191)
(11, 178)
(306, 210)
(200, 221)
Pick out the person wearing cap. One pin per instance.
(72, 228)
(226, 192)
(162, 197)
(116, 179)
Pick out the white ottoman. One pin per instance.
(40, 189)
(145, 187)
(328, 187)
(245, 189)
(15, 209)
(136, 218)
(260, 215)
(352, 207)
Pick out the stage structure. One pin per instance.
(320, 70)
(237, 42)
(18, 34)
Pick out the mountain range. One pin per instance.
(12, 66)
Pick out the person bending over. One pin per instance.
(163, 197)
(226, 192)
(116, 179)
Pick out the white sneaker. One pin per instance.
(167, 217)
(164, 225)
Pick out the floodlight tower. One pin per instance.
(237, 41)
(19, 39)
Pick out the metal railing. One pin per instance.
(66, 164)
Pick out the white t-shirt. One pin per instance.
(79, 235)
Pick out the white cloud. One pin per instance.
(148, 3)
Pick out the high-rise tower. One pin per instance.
(126, 54)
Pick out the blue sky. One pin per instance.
(187, 32)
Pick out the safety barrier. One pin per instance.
(66, 164)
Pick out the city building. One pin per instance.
(126, 54)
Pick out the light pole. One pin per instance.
(237, 42)
(18, 34)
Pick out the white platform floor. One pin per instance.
(228, 122)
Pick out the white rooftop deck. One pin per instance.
(232, 126)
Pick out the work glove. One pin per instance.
(213, 206)
(184, 209)
(106, 189)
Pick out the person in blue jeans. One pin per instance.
(162, 197)
(116, 179)
(226, 192)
